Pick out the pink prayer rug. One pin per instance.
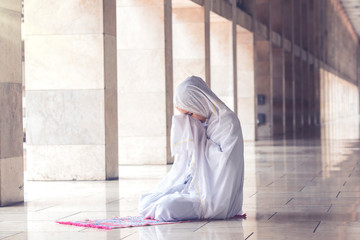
(124, 222)
(117, 222)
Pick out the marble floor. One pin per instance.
(294, 189)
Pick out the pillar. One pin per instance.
(207, 7)
(316, 50)
(312, 103)
(306, 89)
(311, 61)
(169, 75)
(317, 108)
(277, 69)
(144, 80)
(246, 98)
(277, 90)
(298, 89)
(71, 89)
(358, 72)
(263, 87)
(263, 84)
(234, 21)
(297, 64)
(188, 41)
(289, 96)
(287, 33)
(11, 126)
(305, 94)
(323, 117)
(221, 59)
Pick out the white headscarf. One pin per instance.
(195, 96)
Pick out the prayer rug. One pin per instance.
(123, 222)
(117, 222)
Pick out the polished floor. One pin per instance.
(294, 189)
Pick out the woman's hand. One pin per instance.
(201, 118)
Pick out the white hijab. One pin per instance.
(195, 96)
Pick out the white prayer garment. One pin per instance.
(206, 179)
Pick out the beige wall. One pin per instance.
(11, 128)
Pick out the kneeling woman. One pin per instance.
(206, 179)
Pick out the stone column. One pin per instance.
(311, 22)
(71, 89)
(297, 71)
(188, 40)
(287, 30)
(319, 50)
(317, 94)
(311, 90)
(323, 117)
(221, 59)
(145, 89)
(289, 97)
(246, 98)
(11, 126)
(305, 65)
(358, 72)
(169, 75)
(316, 54)
(277, 89)
(305, 93)
(263, 85)
(276, 66)
(207, 7)
(234, 54)
(298, 92)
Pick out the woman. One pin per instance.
(206, 180)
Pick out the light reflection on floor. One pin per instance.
(294, 189)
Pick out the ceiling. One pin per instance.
(352, 10)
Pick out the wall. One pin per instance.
(11, 126)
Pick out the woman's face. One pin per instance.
(201, 118)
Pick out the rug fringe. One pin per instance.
(84, 225)
(243, 216)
